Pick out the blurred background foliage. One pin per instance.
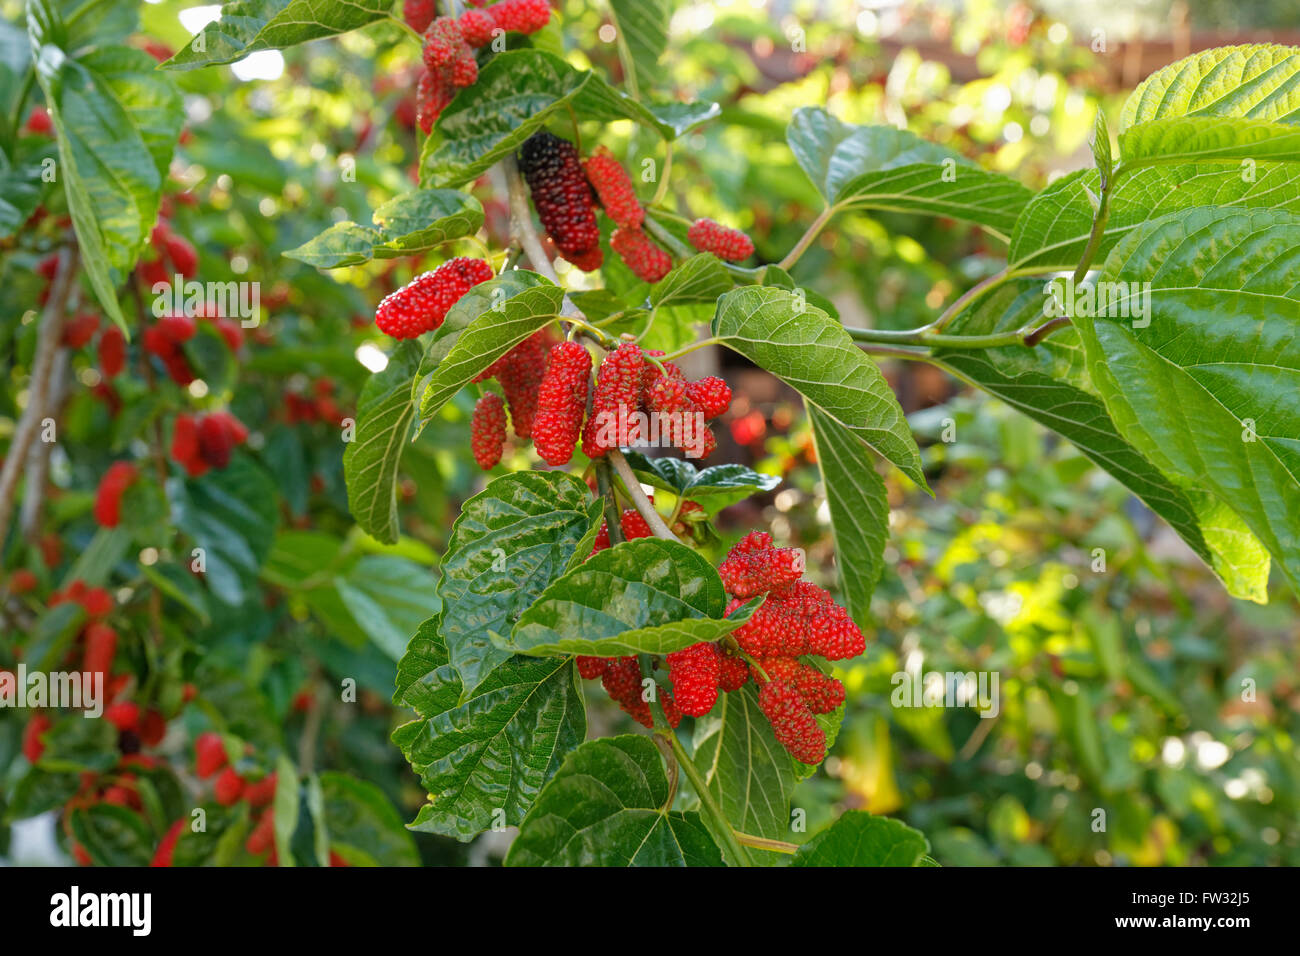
(1138, 689)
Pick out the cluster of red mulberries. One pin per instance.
(563, 197)
(167, 255)
(729, 244)
(320, 406)
(422, 304)
(798, 619)
(519, 373)
(621, 678)
(164, 339)
(108, 496)
(200, 442)
(449, 43)
(676, 409)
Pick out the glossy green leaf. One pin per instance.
(859, 839)
(231, 514)
(701, 278)
(880, 167)
(644, 596)
(409, 224)
(484, 760)
(511, 318)
(749, 774)
(859, 510)
(713, 488)
(1208, 390)
(516, 93)
(1051, 385)
(117, 120)
(384, 416)
(605, 807)
(1187, 139)
(246, 26)
(642, 35)
(388, 597)
(511, 540)
(1255, 81)
(800, 344)
(112, 835)
(364, 827)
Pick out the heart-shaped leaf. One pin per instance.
(859, 839)
(484, 760)
(606, 807)
(511, 540)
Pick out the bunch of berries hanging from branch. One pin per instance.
(422, 304)
(797, 621)
(449, 44)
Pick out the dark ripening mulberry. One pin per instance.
(695, 672)
(488, 430)
(730, 244)
(617, 398)
(646, 260)
(561, 193)
(614, 188)
(561, 402)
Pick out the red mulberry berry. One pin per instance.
(476, 26)
(792, 722)
(591, 667)
(561, 402)
(184, 258)
(614, 189)
(695, 672)
(418, 14)
(622, 681)
(754, 541)
(733, 672)
(432, 95)
(711, 395)
(209, 754)
(672, 713)
(101, 648)
(443, 44)
(33, 746)
(521, 16)
(602, 539)
(463, 70)
(124, 715)
(730, 244)
(488, 430)
(228, 788)
(745, 575)
(108, 497)
(561, 193)
(218, 434)
(646, 260)
(833, 635)
(167, 846)
(821, 692)
(634, 526)
(80, 330)
(617, 398)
